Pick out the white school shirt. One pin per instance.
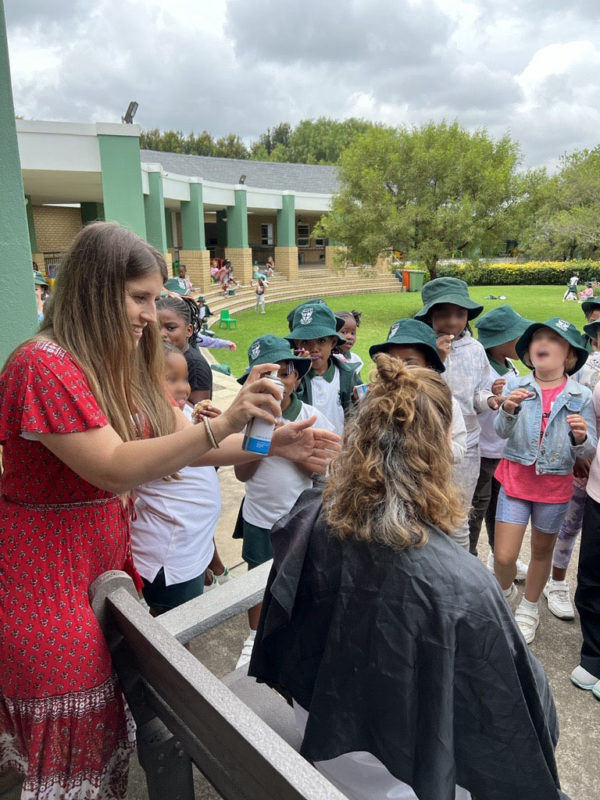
(458, 433)
(277, 483)
(467, 374)
(176, 522)
(326, 398)
(490, 444)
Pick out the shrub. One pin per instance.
(533, 272)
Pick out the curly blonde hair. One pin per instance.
(392, 479)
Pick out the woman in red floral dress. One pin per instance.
(83, 419)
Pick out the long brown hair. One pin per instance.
(87, 316)
(392, 479)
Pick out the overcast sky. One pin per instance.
(527, 67)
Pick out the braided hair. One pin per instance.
(186, 308)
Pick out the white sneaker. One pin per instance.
(584, 679)
(559, 599)
(528, 622)
(246, 653)
(521, 570)
(512, 595)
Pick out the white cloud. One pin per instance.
(526, 66)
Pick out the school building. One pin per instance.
(191, 208)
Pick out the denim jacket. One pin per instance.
(555, 452)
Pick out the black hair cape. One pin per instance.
(412, 655)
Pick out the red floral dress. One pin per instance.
(63, 722)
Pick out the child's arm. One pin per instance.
(509, 410)
(210, 341)
(458, 433)
(243, 472)
(583, 431)
(483, 398)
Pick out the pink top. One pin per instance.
(593, 484)
(522, 481)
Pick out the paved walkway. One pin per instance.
(556, 645)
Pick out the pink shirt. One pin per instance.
(593, 484)
(522, 481)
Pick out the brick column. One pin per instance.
(383, 265)
(241, 260)
(332, 255)
(197, 263)
(286, 262)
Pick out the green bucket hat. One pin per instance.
(501, 325)
(39, 279)
(447, 290)
(567, 330)
(593, 304)
(270, 349)
(411, 332)
(316, 301)
(313, 321)
(592, 329)
(177, 285)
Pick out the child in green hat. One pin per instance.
(548, 421)
(414, 343)
(498, 332)
(41, 292)
(447, 309)
(329, 383)
(272, 484)
(557, 591)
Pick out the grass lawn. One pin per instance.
(380, 310)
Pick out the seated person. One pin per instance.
(408, 674)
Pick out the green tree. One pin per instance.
(564, 218)
(323, 140)
(426, 191)
(231, 146)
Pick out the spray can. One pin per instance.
(259, 432)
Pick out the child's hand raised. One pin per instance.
(578, 427)
(515, 398)
(443, 344)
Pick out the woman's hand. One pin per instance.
(515, 398)
(259, 397)
(313, 447)
(578, 427)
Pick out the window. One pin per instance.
(303, 235)
(319, 242)
(266, 234)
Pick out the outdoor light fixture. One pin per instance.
(242, 179)
(130, 113)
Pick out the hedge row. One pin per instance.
(533, 272)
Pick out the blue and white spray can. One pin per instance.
(259, 432)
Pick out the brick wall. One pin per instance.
(56, 227)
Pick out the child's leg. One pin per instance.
(257, 303)
(542, 547)
(481, 500)
(466, 475)
(546, 518)
(490, 514)
(567, 536)
(512, 516)
(587, 596)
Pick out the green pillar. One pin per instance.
(31, 225)
(192, 219)
(169, 227)
(90, 212)
(237, 221)
(221, 228)
(154, 212)
(18, 318)
(286, 222)
(122, 181)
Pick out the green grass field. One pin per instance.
(380, 310)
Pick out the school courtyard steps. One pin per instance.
(319, 282)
